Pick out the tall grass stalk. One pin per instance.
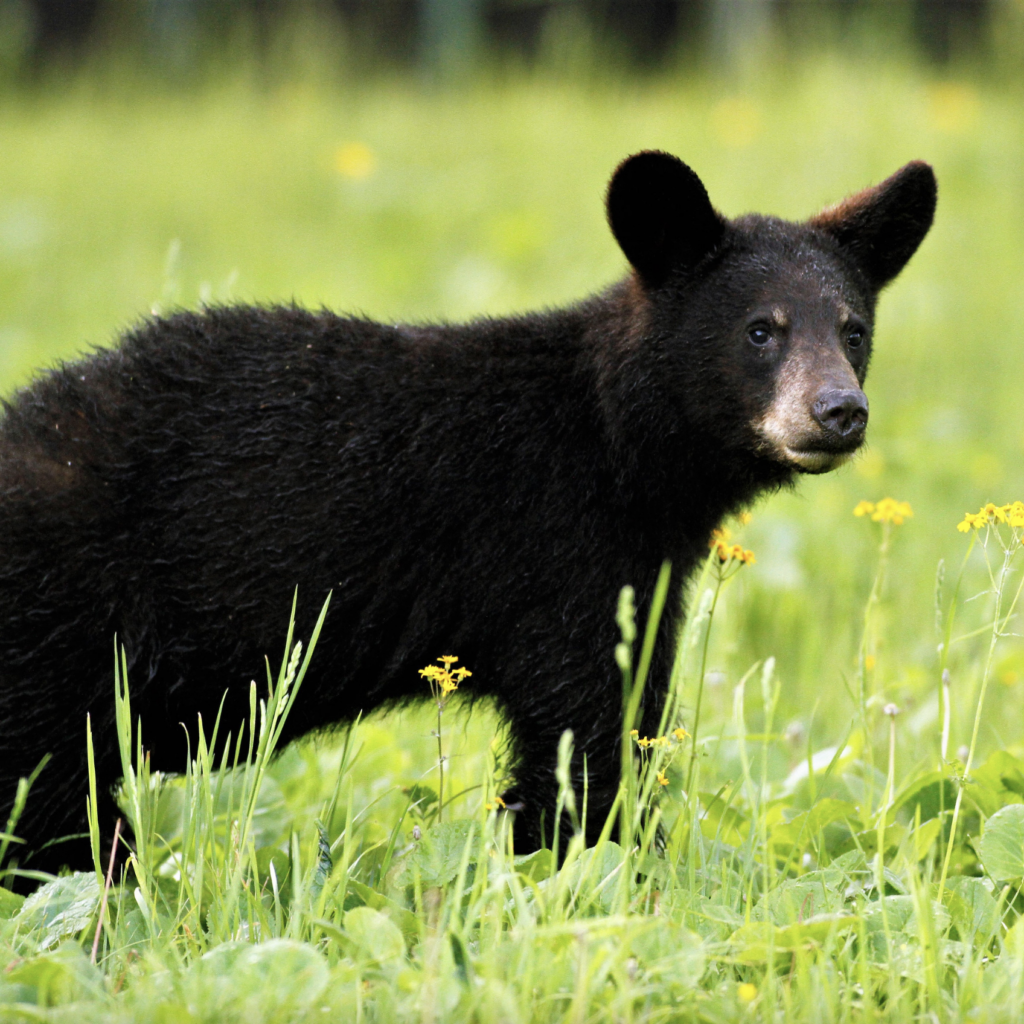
(865, 651)
(9, 836)
(701, 673)
(1000, 620)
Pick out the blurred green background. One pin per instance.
(439, 168)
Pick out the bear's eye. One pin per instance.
(855, 338)
(759, 335)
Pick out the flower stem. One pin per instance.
(700, 688)
(1008, 552)
(874, 599)
(440, 765)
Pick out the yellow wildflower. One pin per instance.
(888, 510)
(747, 992)
(732, 552)
(997, 512)
(634, 732)
(990, 514)
(744, 518)
(354, 160)
(680, 734)
(494, 804)
(662, 779)
(443, 679)
(649, 741)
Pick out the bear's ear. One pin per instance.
(660, 215)
(881, 227)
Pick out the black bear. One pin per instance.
(483, 489)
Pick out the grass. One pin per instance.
(768, 900)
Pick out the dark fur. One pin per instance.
(483, 490)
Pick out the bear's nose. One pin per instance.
(842, 412)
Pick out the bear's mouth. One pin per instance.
(817, 460)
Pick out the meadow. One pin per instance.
(327, 881)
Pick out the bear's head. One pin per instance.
(757, 331)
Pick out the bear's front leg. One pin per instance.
(595, 776)
(567, 690)
(588, 703)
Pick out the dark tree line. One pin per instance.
(410, 31)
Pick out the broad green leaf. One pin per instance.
(932, 792)
(57, 977)
(972, 907)
(275, 980)
(374, 935)
(10, 903)
(759, 940)
(363, 895)
(598, 862)
(804, 827)
(898, 910)
(60, 909)
(996, 783)
(797, 899)
(899, 915)
(438, 855)
(536, 865)
(725, 824)
(710, 918)
(669, 953)
(850, 863)
(1002, 844)
(597, 874)
(923, 838)
(420, 799)
(1013, 940)
(657, 872)
(822, 760)
(271, 818)
(867, 840)
(592, 867)
(862, 783)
